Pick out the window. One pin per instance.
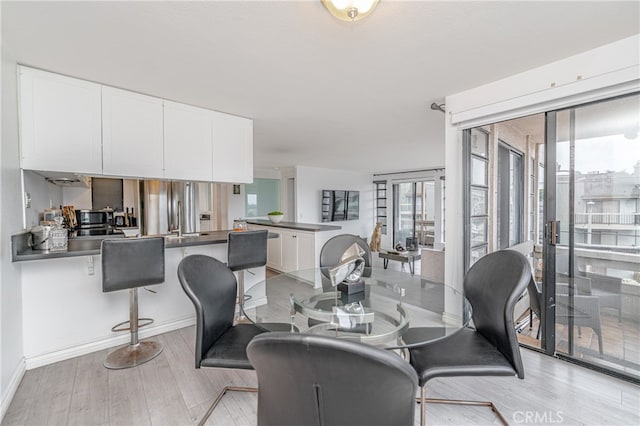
(381, 204)
(261, 197)
(478, 195)
(510, 196)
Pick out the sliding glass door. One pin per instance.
(593, 233)
(564, 189)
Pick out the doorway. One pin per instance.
(414, 214)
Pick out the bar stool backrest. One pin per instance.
(131, 262)
(247, 249)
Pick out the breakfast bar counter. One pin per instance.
(298, 226)
(90, 246)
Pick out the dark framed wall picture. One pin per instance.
(236, 189)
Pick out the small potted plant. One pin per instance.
(275, 216)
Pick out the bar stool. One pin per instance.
(129, 264)
(246, 249)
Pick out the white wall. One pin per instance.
(310, 181)
(11, 348)
(603, 72)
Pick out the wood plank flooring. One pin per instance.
(170, 391)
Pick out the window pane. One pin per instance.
(478, 172)
(478, 231)
(478, 202)
(262, 196)
(477, 253)
(479, 142)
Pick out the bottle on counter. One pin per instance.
(59, 235)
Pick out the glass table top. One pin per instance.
(395, 310)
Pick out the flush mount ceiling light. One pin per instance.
(350, 10)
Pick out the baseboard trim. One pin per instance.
(11, 390)
(121, 339)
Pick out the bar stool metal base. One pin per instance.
(133, 355)
(136, 352)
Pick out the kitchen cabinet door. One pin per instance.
(306, 250)
(232, 148)
(60, 120)
(187, 142)
(132, 141)
(289, 250)
(274, 251)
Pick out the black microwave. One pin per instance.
(94, 218)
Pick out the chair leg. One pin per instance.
(423, 401)
(219, 397)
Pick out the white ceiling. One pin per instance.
(322, 92)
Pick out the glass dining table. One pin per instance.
(396, 309)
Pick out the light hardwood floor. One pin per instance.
(170, 391)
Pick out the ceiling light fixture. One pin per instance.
(350, 10)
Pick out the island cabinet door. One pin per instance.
(289, 250)
(274, 251)
(60, 126)
(306, 250)
(232, 148)
(132, 140)
(187, 142)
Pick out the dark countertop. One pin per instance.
(88, 246)
(311, 227)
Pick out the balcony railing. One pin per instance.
(608, 218)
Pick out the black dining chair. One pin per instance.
(212, 287)
(335, 247)
(317, 380)
(535, 305)
(245, 250)
(492, 286)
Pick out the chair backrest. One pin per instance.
(212, 287)
(535, 298)
(131, 262)
(335, 247)
(247, 249)
(581, 285)
(493, 285)
(316, 380)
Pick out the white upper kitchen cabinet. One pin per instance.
(232, 148)
(59, 123)
(132, 141)
(187, 142)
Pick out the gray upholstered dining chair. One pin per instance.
(335, 247)
(535, 305)
(317, 380)
(211, 286)
(492, 285)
